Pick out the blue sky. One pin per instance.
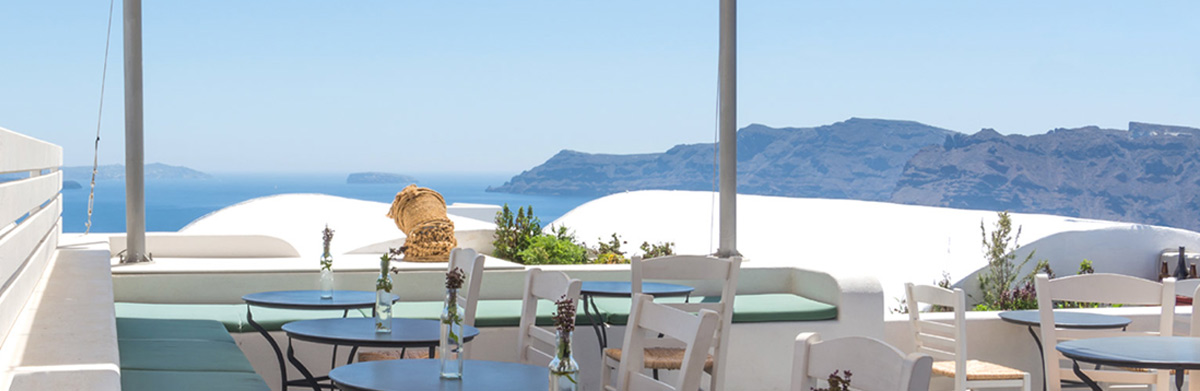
(500, 86)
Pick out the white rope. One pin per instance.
(99, 117)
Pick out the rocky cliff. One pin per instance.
(856, 159)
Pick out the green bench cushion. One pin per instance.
(488, 313)
(182, 355)
(141, 380)
(771, 307)
(232, 316)
(186, 329)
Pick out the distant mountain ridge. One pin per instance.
(152, 171)
(857, 158)
(1147, 174)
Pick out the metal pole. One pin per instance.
(135, 197)
(727, 69)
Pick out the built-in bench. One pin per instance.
(182, 354)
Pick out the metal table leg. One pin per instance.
(308, 377)
(601, 336)
(1086, 380)
(274, 346)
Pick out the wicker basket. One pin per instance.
(421, 214)
(415, 206)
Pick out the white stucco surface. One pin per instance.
(891, 242)
(359, 226)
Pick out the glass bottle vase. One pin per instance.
(564, 371)
(450, 353)
(383, 304)
(326, 283)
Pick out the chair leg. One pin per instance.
(606, 372)
(1025, 382)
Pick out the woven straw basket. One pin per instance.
(421, 214)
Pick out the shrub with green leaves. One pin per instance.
(514, 232)
(999, 282)
(656, 250)
(553, 250)
(610, 252)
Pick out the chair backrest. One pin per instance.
(695, 331)
(1103, 288)
(875, 365)
(471, 264)
(941, 340)
(1187, 287)
(541, 285)
(697, 268)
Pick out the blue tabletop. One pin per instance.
(311, 300)
(1067, 319)
(623, 288)
(423, 375)
(361, 332)
(1136, 352)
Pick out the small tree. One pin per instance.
(514, 233)
(999, 247)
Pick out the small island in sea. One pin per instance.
(363, 178)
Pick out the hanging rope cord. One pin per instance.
(99, 117)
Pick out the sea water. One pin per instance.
(173, 203)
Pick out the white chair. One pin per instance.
(1193, 376)
(875, 365)
(689, 269)
(948, 342)
(1107, 289)
(1185, 288)
(695, 331)
(541, 285)
(471, 264)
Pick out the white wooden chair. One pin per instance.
(695, 331)
(947, 342)
(471, 264)
(875, 365)
(1193, 376)
(1185, 288)
(541, 285)
(688, 268)
(1107, 289)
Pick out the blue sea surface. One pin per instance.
(172, 204)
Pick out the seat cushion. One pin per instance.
(661, 358)
(187, 329)
(182, 355)
(979, 370)
(768, 307)
(140, 380)
(488, 313)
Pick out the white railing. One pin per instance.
(30, 209)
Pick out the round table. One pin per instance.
(589, 290)
(360, 332)
(304, 300)
(1066, 320)
(1166, 353)
(424, 375)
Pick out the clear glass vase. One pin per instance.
(564, 371)
(450, 354)
(326, 283)
(383, 304)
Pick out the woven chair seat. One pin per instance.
(978, 370)
(409, 354)
(661, 358)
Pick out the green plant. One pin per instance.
(553, 250)
(1085, 267)
(836, 382)
(656, 250)
(998, 282)
(610, 252)
(514, 232)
